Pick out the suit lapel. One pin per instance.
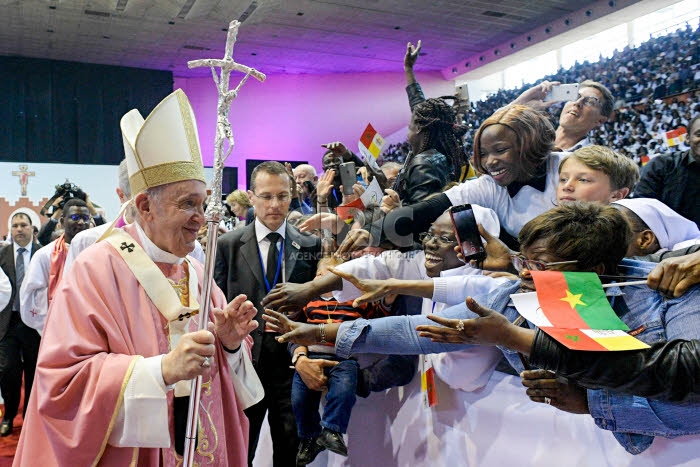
(250, 252)
(291, 252)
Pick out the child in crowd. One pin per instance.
(596, 173)
(315, 432)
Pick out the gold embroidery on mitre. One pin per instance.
(165, 173)
(189, 124)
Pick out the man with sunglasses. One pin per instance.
(45, 272)
(251, 261)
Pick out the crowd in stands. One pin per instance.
(655, 87)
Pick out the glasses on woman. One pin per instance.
(425, 237)
(520, 263)
(282, 197)
(588, 101)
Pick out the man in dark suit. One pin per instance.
(19, 344)
(248, 261)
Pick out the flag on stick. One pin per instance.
(370, 145)
(572, 308)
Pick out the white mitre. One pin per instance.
(164, 148)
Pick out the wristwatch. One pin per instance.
(296, 356)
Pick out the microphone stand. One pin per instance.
(215, 208)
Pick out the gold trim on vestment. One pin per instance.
(120, 401)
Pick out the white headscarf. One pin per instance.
(672, 230)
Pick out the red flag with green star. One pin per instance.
(575, 300)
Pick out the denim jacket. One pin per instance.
(633, 420)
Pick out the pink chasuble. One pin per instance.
(99, 321)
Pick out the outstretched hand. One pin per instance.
(372, 289)
(292, 331)
(357, 239)
(490, 328)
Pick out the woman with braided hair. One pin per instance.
(437, 156)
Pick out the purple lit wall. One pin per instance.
(288, 117)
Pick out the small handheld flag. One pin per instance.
(370, 146)
(573, 309)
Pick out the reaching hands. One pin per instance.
(355, 240)
(322, 220)
(490, 328)
(372, 290)
(544, 387)
(288, 294)
(292, 331)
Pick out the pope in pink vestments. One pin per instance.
(100, 323)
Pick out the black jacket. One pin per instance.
(673, 179)
(669, 370)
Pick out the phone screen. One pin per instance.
(467, 232)
(348, 177)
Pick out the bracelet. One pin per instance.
(322, 329)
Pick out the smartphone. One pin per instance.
(348, 177)
(563, 92)
(467, 232)
(462, 92)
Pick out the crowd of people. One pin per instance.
(655, 87)
(309, 273)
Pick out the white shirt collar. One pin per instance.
(261, 230)
(154, 252)
(28, 247)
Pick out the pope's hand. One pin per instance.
(187, 359)
(235, 322)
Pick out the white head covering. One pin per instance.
(670, 228)
(488, 219)
(164, 148)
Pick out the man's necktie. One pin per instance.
(273, 256)
(19, 276)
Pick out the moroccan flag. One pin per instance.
(676, 137)
(575, 300)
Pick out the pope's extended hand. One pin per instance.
(187, 359)
(235, 322)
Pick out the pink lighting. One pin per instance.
(288, 117)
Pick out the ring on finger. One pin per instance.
(205, 363)
(460, 326)
(547, 400)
